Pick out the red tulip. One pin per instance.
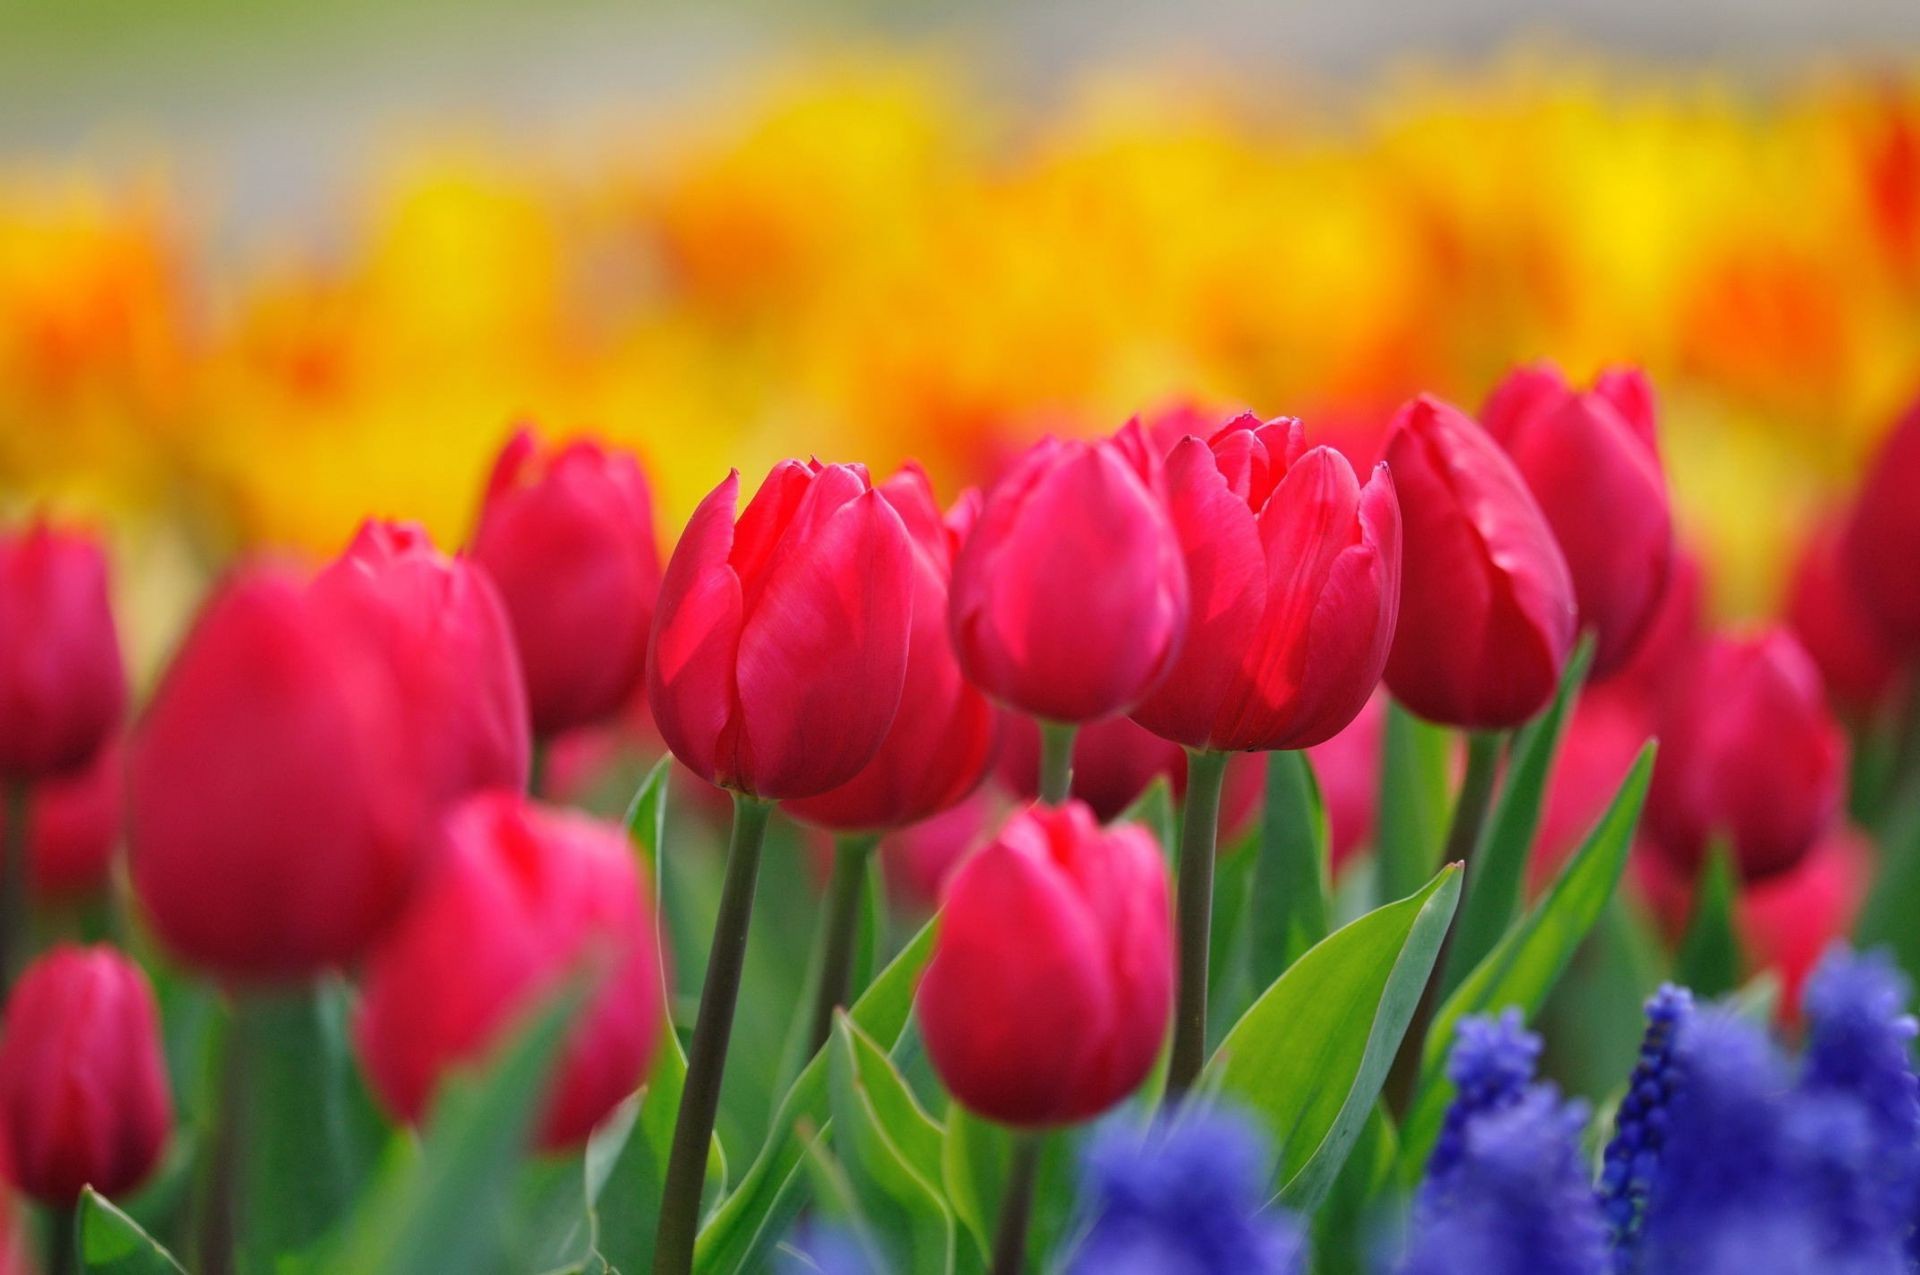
(1831, 620)
(1070, 598)
(1347, 768)
(1487, 604)
(781, 645)
(1591, 461)
(83, 1089)
(73, 828)
(1749, 751)
(1672, 639)
(1294, 573)
(62, 686)
(1603, 737)
(441, 623)
(520, 897)
(1051, 981)
(918, 859)
(1882, 541)
(943, 737)
(568, 537)
(277, 801)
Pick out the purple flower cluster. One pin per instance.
(1640, 1125)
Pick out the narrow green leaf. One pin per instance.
(745, 1226)
(112, 1243)
(1155, 810)
(1310, 1057)
(647, 818)
(1710, 960)
(895, 1189)
(1414, 800)
(1343, 1229)
(444, 1209)
(1230, 985)
(1497, 876)
(973, 1169)
(1523, 968)
(1292, 881)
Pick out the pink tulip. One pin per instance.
(73, 828)
(1882, 541)
(62, 687)
(1825, 611)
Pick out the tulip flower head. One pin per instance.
(780, 649)
(1070, 597)
(1749, 751)
(441, 622)
(568, 537)
(521, 897)
(1858, 663)
(1293, 572)
(1591, 461)
(278, 804)
(1487, 604)
(1882, 540)
(943, 736)
(73, 828)
(83, 1088)
(62, 686)
(1051, 981)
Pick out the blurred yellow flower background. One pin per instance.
(880, 258)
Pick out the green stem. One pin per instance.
(537, 769)
(63, 1241)
(1199, 829)
(1056, 761)
(1016, 1206)
(1463, 838)
(214, 1224)
(851, 854)
(13, 880)
(707, 1058)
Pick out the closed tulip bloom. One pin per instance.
(62, 686)
(1883, 538)
(277, 800)
(441, 623)
(73, 828)
(83, 1088)
(1749, 751)
(1070, 596)
(1591, 461)
(1293, 569)
(1050, 986)
(781, 644)
(567, 536)
(520, 898)
(1486, 602)
(919, 858)
(1859, 665)
(943, 736)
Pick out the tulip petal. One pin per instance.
(690, 667)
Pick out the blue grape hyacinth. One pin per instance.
(1184, 1197)
(1492, 1063)
(1632, 1155)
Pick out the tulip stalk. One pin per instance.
(1056, 761)
(707, 1055)
(63, 1241)
(1199, 830)
(1016, 1206)
(851, 856)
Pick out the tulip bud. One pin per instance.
(440, 621)
(1673, 637)
(1293, 569)
(781, 644)
(943, 736)
(520, 898)
(1882, 540)
(1486, 603)
(568, 538)
(1748, 751)
(918, 859)
(1831, 620)
(62, 686)
(83, 1089)
(277, 806)
(1070, 598)
(73, 828)
(1591, 461)
(1051, 982)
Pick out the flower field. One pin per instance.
(1196, 676)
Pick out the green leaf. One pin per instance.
(973, 1169)
(1709, 960)
(1230, 985)
(891, 1151)
(1292, 880)
(112, 1243)
(746, 1225)
(443, 1210)
(1310, 1057)
(647, 819)
(307, 1134)
(1343, 1229)
(1154, 810)
(1498, 873)
(1415, 797)
(1523, 968)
